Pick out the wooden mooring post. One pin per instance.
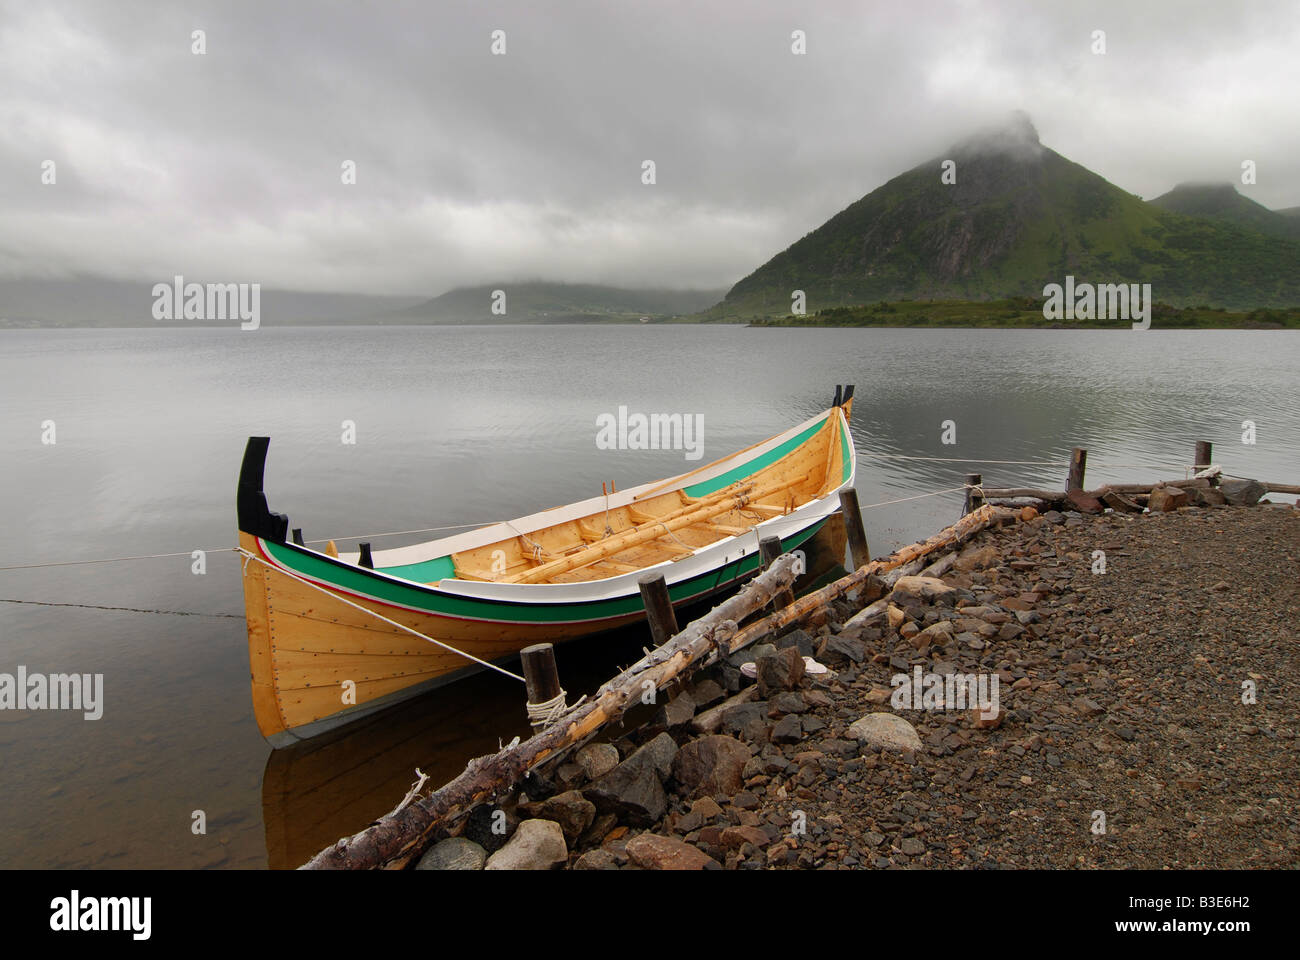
(973, 499)
(853, 528)
(769, 548)
(1201, 460)
(1078, 461)
(541, 676)
(658, 607)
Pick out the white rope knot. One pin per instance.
(544, 714)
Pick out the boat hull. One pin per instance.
(318, 662)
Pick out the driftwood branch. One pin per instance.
(1055, 496)
(397, 836)
(867, 579)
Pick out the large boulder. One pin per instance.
(711, 765)
(536, 845)
(652, 852)
(634, 789)
(1242, 493)
(454, 853)
(887, 731)
(1166, 499)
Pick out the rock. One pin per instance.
(733, 838)
(1087, 706)
(1054, 517)
(483, 824)
(1027, 514)
(1120, 503)
(1166, 499)
(651, 852)
(789, 702)
(571, 810)
(633, 790)
(911, 846)
(1209, 497)
(975, 558)
(1242, 493)
(896, 616)
(939, 633)
(1084, 503)
(787, 730)
(596, 759)
(535, 845)
(711, 765)
(677, 712)
(800, 640)
(847, 647)
(748, 721)
(454, 853)
(886, 730)
(706, 693)
(662, 749)
(710, 721)
(598, 859)
(599, 830)
(751, 654)
(926, 590)
(781, 671)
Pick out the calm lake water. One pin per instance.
(465, 425)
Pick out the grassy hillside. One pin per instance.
(1027, 312)
(1223, 202)
(1018, 217)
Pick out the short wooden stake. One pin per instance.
(973, 499)
(297, 536)
(366, 560)
(853, 528)
(1078, 461)
(769, 548)
(541, 675)
(658, 608)
(1202, 458)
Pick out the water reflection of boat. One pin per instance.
(335, 784)
(333, 636)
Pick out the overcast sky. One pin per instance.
(474, 168)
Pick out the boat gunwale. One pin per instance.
(616, 586)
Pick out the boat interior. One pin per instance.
(662, 524)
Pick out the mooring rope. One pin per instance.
(96, 606)
(544, 714)
(400, 626)
(147, 556)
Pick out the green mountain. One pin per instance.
(1221, 201)
(1018, 216)
(538, 302)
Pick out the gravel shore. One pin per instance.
(1125, 735)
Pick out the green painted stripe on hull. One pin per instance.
(433, 601)
(426, 571)
(846, 465)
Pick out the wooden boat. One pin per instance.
(398, 622)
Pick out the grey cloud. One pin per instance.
(474, 168)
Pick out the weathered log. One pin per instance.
(1057, 496)
(809, 604)
(399, 835)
